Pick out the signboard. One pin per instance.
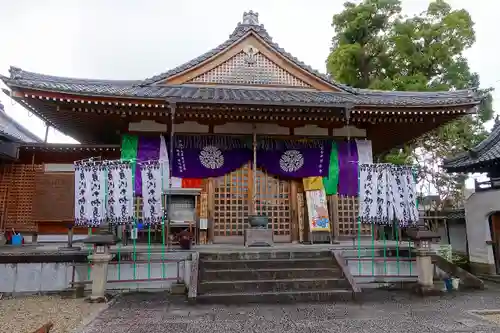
(317, 208)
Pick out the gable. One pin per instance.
(249, 61)
(250, 67)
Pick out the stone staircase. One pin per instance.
(273, 277)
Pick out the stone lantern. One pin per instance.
(423, 238)
(100, 259)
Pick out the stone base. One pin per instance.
(482, 268)
(99, 299)
(427, 290)
(259, 237)
(178, 289)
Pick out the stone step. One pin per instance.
(270, 274)
(258, 286)
(277, 297)
(261, 255)
(269, 263)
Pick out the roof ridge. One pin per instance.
(249, 24)
(23, 130)
(17, 73)
(475, 152)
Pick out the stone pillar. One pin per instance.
(100, 259)
(99, 275)
(425, 269)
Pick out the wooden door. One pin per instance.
(233, 203)
(495, 238)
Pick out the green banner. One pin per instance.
(332, 181)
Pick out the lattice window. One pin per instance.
(18, 190)
(261, 71)
(347, 217)
(232, 203)
(273, 200)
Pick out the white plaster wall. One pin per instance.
(52, 277)
(458, 237)
(477, 209)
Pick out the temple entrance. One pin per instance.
(233, 204)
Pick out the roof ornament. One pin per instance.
(251, 18)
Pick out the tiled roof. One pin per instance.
(14, 131)
(150, 89)
(109, 88)
(486, 152)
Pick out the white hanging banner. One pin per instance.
(165, 163)
(404, 195)
(97, 194)
(82, 189)
(387, 194)
(365, 153)
(152, 209)
(120, 199)
(90, 192)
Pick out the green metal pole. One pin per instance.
(149, 251)
(385, 252)
(163, 204)
(396, 236)
(134, 225)
(89, 247)
(373, 248)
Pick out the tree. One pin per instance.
(376, 47)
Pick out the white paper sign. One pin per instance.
(203, 224)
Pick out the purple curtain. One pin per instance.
(206, 156)
(148, 149)
(295, 159)
(348, 168)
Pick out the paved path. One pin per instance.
(383, 312)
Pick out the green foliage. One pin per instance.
(376, 47)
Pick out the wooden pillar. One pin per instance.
(211, 205)
(254, 171)
(294, 211)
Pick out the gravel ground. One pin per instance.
(381, 312)
(26, 314)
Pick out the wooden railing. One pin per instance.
(487, 185)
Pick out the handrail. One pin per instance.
(468, 280)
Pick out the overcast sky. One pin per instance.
(132, 39)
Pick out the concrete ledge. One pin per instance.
(341, 262)
(29, 258)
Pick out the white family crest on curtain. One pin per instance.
(90, 192)
(120, 197)
(387, 193)
(152, 209)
